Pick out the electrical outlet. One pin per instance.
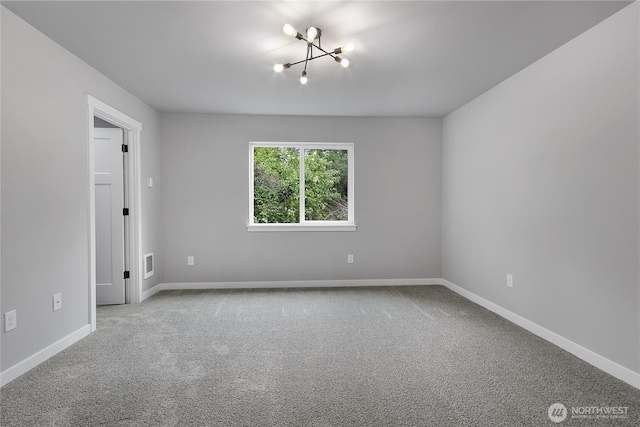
(190, 260)
(510, 280)
(350, 258)
(57, 302)
(10, 320)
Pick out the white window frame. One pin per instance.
(305, 225)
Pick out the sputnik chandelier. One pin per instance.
(313, 42)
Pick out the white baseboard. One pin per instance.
(600, 362)
(300, 284)
(150, 292)
(34, 360)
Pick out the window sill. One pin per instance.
(301, 227)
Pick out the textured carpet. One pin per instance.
(394, 356)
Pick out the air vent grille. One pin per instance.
(148, 265)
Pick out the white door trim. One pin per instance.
(132, 129)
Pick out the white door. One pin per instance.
(109, 177)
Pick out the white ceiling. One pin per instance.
(415, 58)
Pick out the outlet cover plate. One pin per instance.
(10, 320)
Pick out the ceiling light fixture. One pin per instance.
(312, 40)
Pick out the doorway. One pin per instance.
(110, 158)
(132, 245)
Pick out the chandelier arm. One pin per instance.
(322, 56)
(291, 64)
(296, 63)
(325, 53)
(306, 59)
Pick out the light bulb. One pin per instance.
(312, 33)
(344, 49)
(303, 78)
(342, 61)
(279, 67)
(289, 30)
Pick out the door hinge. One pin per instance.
(125, 148)
(125, 211)
(126, 274)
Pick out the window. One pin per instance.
(301, 186)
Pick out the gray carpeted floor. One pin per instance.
(405, 356)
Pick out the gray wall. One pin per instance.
(205, 161)
(45, 185)
(541, 180)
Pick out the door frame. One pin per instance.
(132, 129)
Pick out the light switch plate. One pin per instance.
(57, 302)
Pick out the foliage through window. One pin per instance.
(304, 184)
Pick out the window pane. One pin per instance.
(325, 183)
(276, 185)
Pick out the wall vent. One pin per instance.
(148, 265)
